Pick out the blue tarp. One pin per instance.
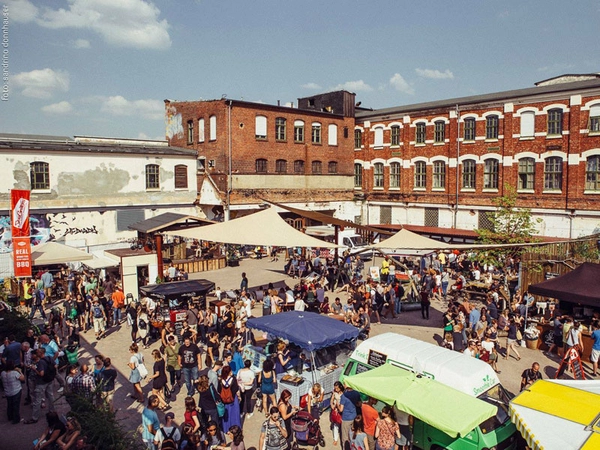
(309, 331)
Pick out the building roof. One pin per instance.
(10, 141)
(168, 222)
(484, 98)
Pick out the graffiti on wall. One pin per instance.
(44, 228)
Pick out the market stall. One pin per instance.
(325, 342)
(173, 298)
(559, 414)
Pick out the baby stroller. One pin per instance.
(306, 431)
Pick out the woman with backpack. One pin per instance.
(230, 395)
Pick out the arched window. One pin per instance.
(332, 167)
(439, 134)
(152, 176)
(332, 130)
(592, 173)
(317, 167)
(490, 174)
(316, 133)
(420, 175)
(420, 133)
(357, 138)
(281, 166)
(469, 128)
(378, 175)
(261, 165)
(527, 124)
(395, 175)
(190, 132)
(181, 176)
(439, 175)
(298, 131)
(260, 127)
(469, 173)
(491, 127)
(526, 173)
(200, 130)
(553, 173)
(555, 122)
(395, 135)
(280, 128)
(358, 170)
(378, 139)
(212, 123)
(299, 166)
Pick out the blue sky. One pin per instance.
(104, 67)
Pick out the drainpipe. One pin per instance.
(457, 166)
(229, 163)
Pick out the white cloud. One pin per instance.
(147, 108)
(354, 86)
(399, 83)
(81, 43)
(42, 83)
(21, 11)
(124, 23)
(435, 74)
(314, 86)
(63, 107)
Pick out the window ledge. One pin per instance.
(378, 189)
(358, 188)
(420, 189)
(468, 190)
(332, 145)
(394, 189)
(527, 138)
(41, 191)
(437, 144)
(552, 191)
(490, 190)
(594, 133)
(152, 189)
(525, 191)
(395, 146)
(492, 140)
(554, 136)
(182, 189)
(438, 189)
(469, 141)
(420, 144)
(591, 192)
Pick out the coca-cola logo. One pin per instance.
(21, 213)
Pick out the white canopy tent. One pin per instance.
(405, 240)
(261, 228)
(55, 253)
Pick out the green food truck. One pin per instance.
(407, 369)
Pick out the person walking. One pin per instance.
(135, 377)
(150, 422)
(595, 347)
(173, 367)
(348, 408)
(191, 363)
(246, 379)
(41, 368)
(12, 377)
(511, 340)
(273, 435)
(159, 379)
(37, 304)
(230, 396)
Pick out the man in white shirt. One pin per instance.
(299, 304)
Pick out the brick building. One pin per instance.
(250, 152)
(440, 164)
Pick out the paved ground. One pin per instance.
(259, 272)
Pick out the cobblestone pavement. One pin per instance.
(259, 272)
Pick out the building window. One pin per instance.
(439, 131)
(190, 132)
(332, 167)
(298, 131)
(490, 174)
(317, 167)
(469, 172)
(200, 130)
(527, 124)
(260, 127)
(592, 173)
(439, 175)
(555, 122)
(420, 133)
(378, 139)
(594, 125)
(299, 166)
(469, 129)
(261, 165)
(420, 175)
(395, 136)
(152, 176)
(553, 173)
(212, 124)
(395, 175)
(281, 166)
(526, 173)
(316, 133)
(357, 138)
(181, 177)
(280, 125)
(332, 130)
(40, 175)
(491, 127)
(358, 170)
(378, 175)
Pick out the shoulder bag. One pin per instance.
(141, 367)
(219, 403)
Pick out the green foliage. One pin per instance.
(14, 322)
(100, 425)
(510, 225)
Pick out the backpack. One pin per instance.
(226, 394)
(50, 372)
(168, 442)
(30, 290)
(142, 324)
(97, 312)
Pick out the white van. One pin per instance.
(349, 238)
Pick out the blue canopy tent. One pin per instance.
(309, 331)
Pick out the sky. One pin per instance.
(104, 67)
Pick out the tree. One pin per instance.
(509, 225)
